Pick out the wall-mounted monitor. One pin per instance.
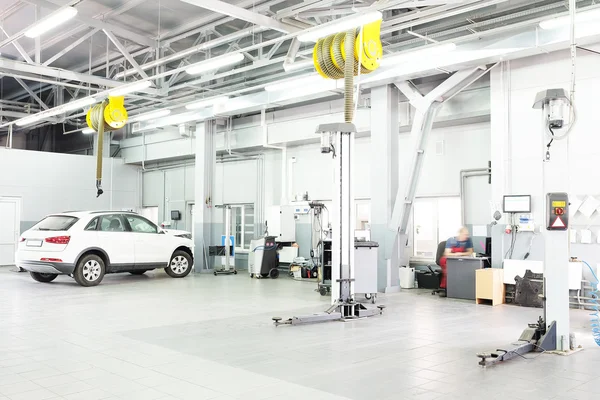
(517, 204)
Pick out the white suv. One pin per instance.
(88, 245)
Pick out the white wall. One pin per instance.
(517, 135)
(465, 147)
(50, 182)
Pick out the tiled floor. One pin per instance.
(206, 337)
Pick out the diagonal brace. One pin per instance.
(125, 53)
(427, 107)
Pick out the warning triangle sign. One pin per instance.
(558, 223)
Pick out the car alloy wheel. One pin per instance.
(92, 270)
(179, 264)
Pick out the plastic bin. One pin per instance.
(407, 278)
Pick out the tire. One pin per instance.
(180, 265)
(90, 270)
(138, 272)
(274, 273)
(44, 278)
(323, 291)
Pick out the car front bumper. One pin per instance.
(46, 267)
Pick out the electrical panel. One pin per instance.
(557, 211)
(525, 223)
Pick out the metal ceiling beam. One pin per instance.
(31, 93)
(95, 23)
(57, 73)
(125, 53)
(71, 46)
(243, 14)
(19, 48)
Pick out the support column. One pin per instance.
(556, 243)
(384, 180)
(204, 172)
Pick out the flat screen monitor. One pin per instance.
(517, 204)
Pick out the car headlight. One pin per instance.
(185, 236)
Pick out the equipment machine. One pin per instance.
(551, 332)
(110, 115)
(263, 261)
(343, 55)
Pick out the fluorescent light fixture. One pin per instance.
(214, 63)
(580, 17)
(340, 25)
(28, 120)
(52, 21)
(305, 80)
(150, 115)
(87, 131)
(207, 103)
(130, 88)
(77, 104)
(417, 55)
(298, 65)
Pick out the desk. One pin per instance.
(460, 276)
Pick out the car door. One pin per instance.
(152, 249)
(116, 240)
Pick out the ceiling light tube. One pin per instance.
(28, 120)
(87, 131)
(298, 65)
(77, 104)
(130, 88)
(580, 17)
(295, 82)
(340, 25)
(150, 115)
(418, 54)
(207, 103)
(214, 63)
(51, 21)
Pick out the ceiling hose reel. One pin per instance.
(329, 58)
(105, 117)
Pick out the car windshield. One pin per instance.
(55, 223)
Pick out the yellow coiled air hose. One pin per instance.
(329, 58)
(105, 117)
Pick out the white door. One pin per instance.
(152, 249)
(118, 243)
(9, 232)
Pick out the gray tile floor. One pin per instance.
(206, 337)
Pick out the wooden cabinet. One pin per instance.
(489, 286)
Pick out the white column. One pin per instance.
(205, 171)
(556, 243)
(384, 180)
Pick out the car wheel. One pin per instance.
(44, 278)
(180, 265)
(138, 272)
(90, 270)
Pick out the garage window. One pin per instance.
(434, 219)
(242, 219)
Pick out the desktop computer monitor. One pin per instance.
(488, 247)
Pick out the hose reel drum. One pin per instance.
(110, 115)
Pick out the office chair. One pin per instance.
(438, 256)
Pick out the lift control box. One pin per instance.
(557, 211)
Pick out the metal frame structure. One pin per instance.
(270, 26)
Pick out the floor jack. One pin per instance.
(338, 138)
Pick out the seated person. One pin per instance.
(459, 246)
